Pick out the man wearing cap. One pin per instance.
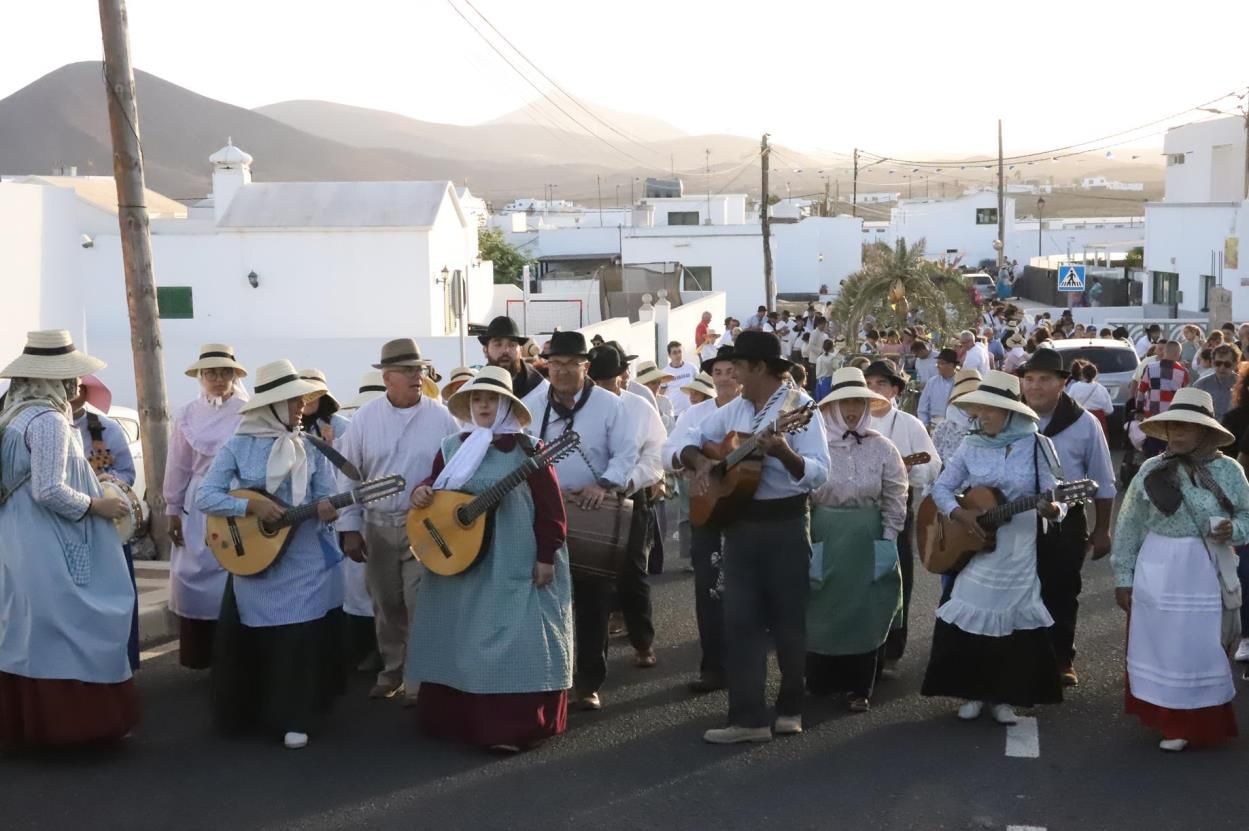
(910, 436)
(706, 542)
(936, 394)
(1082, 454)
(397, 433)
(682, 372)
(503, 345)
(606, 458)
(767, 546)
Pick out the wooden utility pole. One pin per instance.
(769, 282)
(854, 203)
(136, 251)
(1001, 201)
(825, 212)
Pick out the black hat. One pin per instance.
(1045, 360)
(624, 356)
(884, 368)
(724, 353)
(760, 346)
(605, 362)
(502, 327)
(949, 356)
(567, 344)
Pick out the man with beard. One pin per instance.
(503, 345)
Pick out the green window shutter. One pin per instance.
(175, 303)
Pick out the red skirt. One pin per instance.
(519, 719)
(36, 711)
(1203, 726)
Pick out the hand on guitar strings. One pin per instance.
(422, 497)
(968, 519)
(326, 512)
(352, 543)
(263, 509)
(774, 444)
(589, 498)
(543, 574)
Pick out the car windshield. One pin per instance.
(1106, 359)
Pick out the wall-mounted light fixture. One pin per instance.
(87, 241)
(253, 279)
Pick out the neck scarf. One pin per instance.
(465, 461)
(841, 434)
(562, 413)
(48, 391)
(288, 458)
(1066, 413)
(1017, 427)
(1162, 484)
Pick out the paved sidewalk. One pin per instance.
(156, 623)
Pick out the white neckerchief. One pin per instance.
(468, 458)
(288, 458)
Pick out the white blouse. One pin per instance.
(870, 474)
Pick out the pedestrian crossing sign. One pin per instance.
(1071, 277)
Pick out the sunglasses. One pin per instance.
(1224, 364)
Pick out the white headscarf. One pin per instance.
(467, 459)
(287, 457)
(51, 391)
(839, 433)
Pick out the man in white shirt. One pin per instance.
(910, 437)
(605, 461)
(756, 321)
(936, 394)
(767, 545)
(925, 361)
(1148, 339)
(398, 433)
(682, 373)
(975, 354)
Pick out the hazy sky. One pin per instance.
(905, 77)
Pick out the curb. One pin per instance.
(157, 625)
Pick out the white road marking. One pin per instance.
(1022, 740)
(163, 649)
(1024, 828)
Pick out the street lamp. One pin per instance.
(1040, 206)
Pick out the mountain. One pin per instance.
(642, 128)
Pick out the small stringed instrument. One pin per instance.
(246, 546)
(735, 477)
(450, 536)
(921, 458)
(946, 545)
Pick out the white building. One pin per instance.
(1068, 235)
(964, 227)
(693, 209)
(1102, 183)
(875, 198)
(1195, 237)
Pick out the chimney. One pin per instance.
(232, 169)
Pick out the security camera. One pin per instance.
(87, 242)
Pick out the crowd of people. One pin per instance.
(817, 564)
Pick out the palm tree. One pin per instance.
(895, 281)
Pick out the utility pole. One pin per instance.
(708, 152)
(769, 284)
(854, 204)
(837, 200)
(599, 181)
(1001, 201)
(825, 211)
(136, 250)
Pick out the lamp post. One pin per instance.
(1040, 206)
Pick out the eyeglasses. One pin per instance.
(1224, 364)
(217, 374)
(410, 371)
(563, 366)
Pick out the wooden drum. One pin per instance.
(598, 541)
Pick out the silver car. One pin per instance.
(1115, 360)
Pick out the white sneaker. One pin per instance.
(738, 735)
(1242, 651)
(1173, 745)
(788, 725)
(1004, 714)
(295, 741)
(971, 710)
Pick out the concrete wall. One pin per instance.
(680, 322)
(734, 254)
(725, 209)
(1060, 236)
(950, 225)
(637, 338)
(1213, 168)
(21, 240)
(817, 251)
(1189, 240)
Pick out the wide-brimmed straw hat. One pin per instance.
(371, 386)
(277, 382)
(216, 356)
(703, 383)
(965, 381)
(648, 372)
(51, 354)
(401, 352)
(1015, 340)
(493, 379)
(998, 389)
(316, 376)
(458, 376)
(848, 382)
(1190, 406)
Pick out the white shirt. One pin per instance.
(685, 432)
(606, 441)
(644, 392)
(825, 365)
(708, 351)
(1091, 396)
(815, 348)
(910, 436)
(726, 339)
(1142, 345)
(934, 398)
(977, 358)
(926, 368)
(385, 440)
(681, 375)
(651, 435)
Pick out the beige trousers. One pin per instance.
(393, 576)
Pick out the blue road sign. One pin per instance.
(1071, 277)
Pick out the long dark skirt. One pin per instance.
(521, 720)
(195, 642)
(361, 642)
(1018, 669)
(275, 679)
(42, 712)
(854, 674)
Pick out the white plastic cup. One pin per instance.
(1215, 523)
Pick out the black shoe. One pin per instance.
(706, 684)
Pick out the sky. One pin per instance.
(905, 78)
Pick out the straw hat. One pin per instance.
(216, 356)
(401, 352)
(493, 379)
(648, 372)
(1014, 340)
(848, 382)
(701, 383)
(1000, 390)
(316, 376)
(458, 376)
(965, 381)
(371, 386)
(277, 382)
(429, 387)
(1190, 406)
(51, 354)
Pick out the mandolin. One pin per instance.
(921, 458)
(735, 476)
(945, 545)
(450, 536)
(246, 546)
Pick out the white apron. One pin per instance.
(356, 599)
(197, 581)
(1175, 658)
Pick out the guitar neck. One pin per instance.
(1004, 512)
(743, 451)
(294, 516)
(493, 495)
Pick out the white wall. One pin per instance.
(637, 338)
(21, 240)
(798, 248)
(950, 225)
(1061, 235)
(1206, 175)
(734, 253)
(1185, 238)
(725, 209)
(684, 319)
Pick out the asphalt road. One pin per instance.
(640, 763)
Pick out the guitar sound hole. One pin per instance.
(268, 530)
(461, 516)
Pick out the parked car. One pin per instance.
(129, 421)
(1116, 363)
(984, 286)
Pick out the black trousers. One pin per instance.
(1060, 556)
(895, 645)
(705, 554)
(593, 599)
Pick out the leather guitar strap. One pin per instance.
(335, 458)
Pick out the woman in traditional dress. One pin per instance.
(66, 598)
(949, 434)
(491, 648)
(857, 582)
(1175, 576)
(989, 643)
(278, 660)
(196, 580)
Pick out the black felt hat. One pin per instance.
(605, 362)
(885, 368)
(1045, 360)
(502, 327)
(567, 344)
(724, 353)
(760, 346)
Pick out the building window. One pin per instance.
(682, 217)
(1207, 283)
(696, 278)
(986, 216)
(1166, 288)
(1176, 158)
(174, 303)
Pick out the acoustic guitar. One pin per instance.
(735, 476)
(946, 545)
(450, 536)
(246, 546)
